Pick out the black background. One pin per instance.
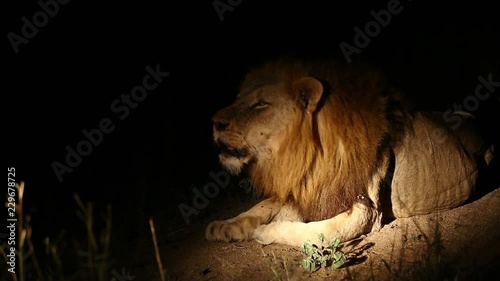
(65, 79)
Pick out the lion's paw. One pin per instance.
(265, 234)
(284, 232)
(237, 229)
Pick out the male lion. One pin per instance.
(333, 149)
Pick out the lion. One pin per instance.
(336, 151)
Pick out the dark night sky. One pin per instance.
(66, 77)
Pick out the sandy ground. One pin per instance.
(460, 244)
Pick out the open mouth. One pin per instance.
(232, 151)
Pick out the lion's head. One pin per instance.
(262, 117)
(307, 134)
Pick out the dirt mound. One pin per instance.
(461, 244)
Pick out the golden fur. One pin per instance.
(329, 155)
(317, 139)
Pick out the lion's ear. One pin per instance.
(309, 91)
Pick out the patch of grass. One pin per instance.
(95, 255)
(55, 261)
(26, 261)
(322, 256)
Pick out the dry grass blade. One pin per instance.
(158, 258)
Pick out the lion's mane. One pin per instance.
(327, 159)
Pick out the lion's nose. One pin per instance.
(221, 120)
(220, 126)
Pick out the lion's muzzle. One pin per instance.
(232, 151)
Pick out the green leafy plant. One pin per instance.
(322, 256)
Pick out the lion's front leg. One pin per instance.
(240, 227)
(346, 226)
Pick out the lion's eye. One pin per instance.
(259, 104)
